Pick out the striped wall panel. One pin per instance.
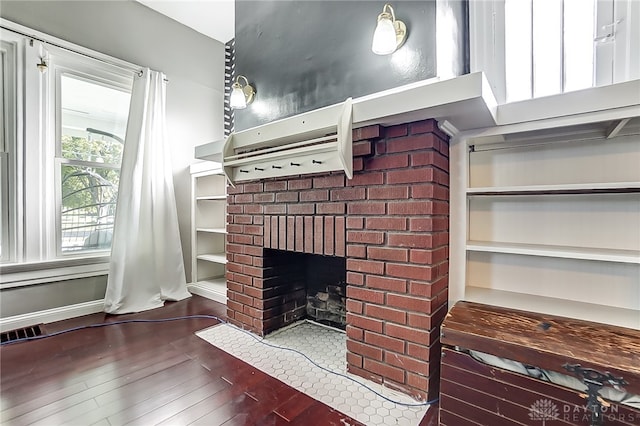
(229, 73)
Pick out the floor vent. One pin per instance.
(21, 333)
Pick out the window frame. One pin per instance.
(63, 63)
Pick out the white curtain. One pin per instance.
(147, 266)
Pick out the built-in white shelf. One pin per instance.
(212, 230)
(576, 188)
(213, 257)
(212, 198)
(208, 232)
(548, 218)
(212, 288)
(549, 305)
(582, 253)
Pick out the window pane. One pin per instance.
(547, 47)
(578, 43)
(93, 124)
(93, 120)
(88, 207)
(518, 49)
(102, 149)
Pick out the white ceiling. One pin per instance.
(213, 18)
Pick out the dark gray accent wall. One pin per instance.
(303, 55)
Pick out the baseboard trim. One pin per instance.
(207, 292)
(51, 315)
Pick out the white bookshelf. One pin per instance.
(582, 253)
(212, 230)
(577, 188)
(208, 227)
(211, 198)
(552, 223)
(215, 258)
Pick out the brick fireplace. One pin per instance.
(391, 224)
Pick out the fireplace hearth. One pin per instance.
(389, 228)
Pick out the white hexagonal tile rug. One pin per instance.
(312, 358)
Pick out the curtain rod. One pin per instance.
(137, 69)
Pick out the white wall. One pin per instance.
(193, 63)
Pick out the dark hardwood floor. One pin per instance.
(145, 374)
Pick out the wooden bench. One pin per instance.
(473, 392)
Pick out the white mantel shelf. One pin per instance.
(466, 102)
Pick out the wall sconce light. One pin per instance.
(42, 66)
(390, 33)
(241, 96)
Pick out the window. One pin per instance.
(60, 153)
(534, 48)
(93, 118)
(90, 105)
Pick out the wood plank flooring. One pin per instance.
(146, 374)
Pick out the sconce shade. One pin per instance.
(241, 96)
(384, 39)
(237, 100)
(389, 34)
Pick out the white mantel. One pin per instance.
(465, 102)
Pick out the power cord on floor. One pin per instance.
(105, 324)
(259, 339)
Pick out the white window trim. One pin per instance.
(30, 273)
(6, 131)
(486, 43)
(10, 146)
(5, 220)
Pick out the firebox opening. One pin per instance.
(323, 279)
